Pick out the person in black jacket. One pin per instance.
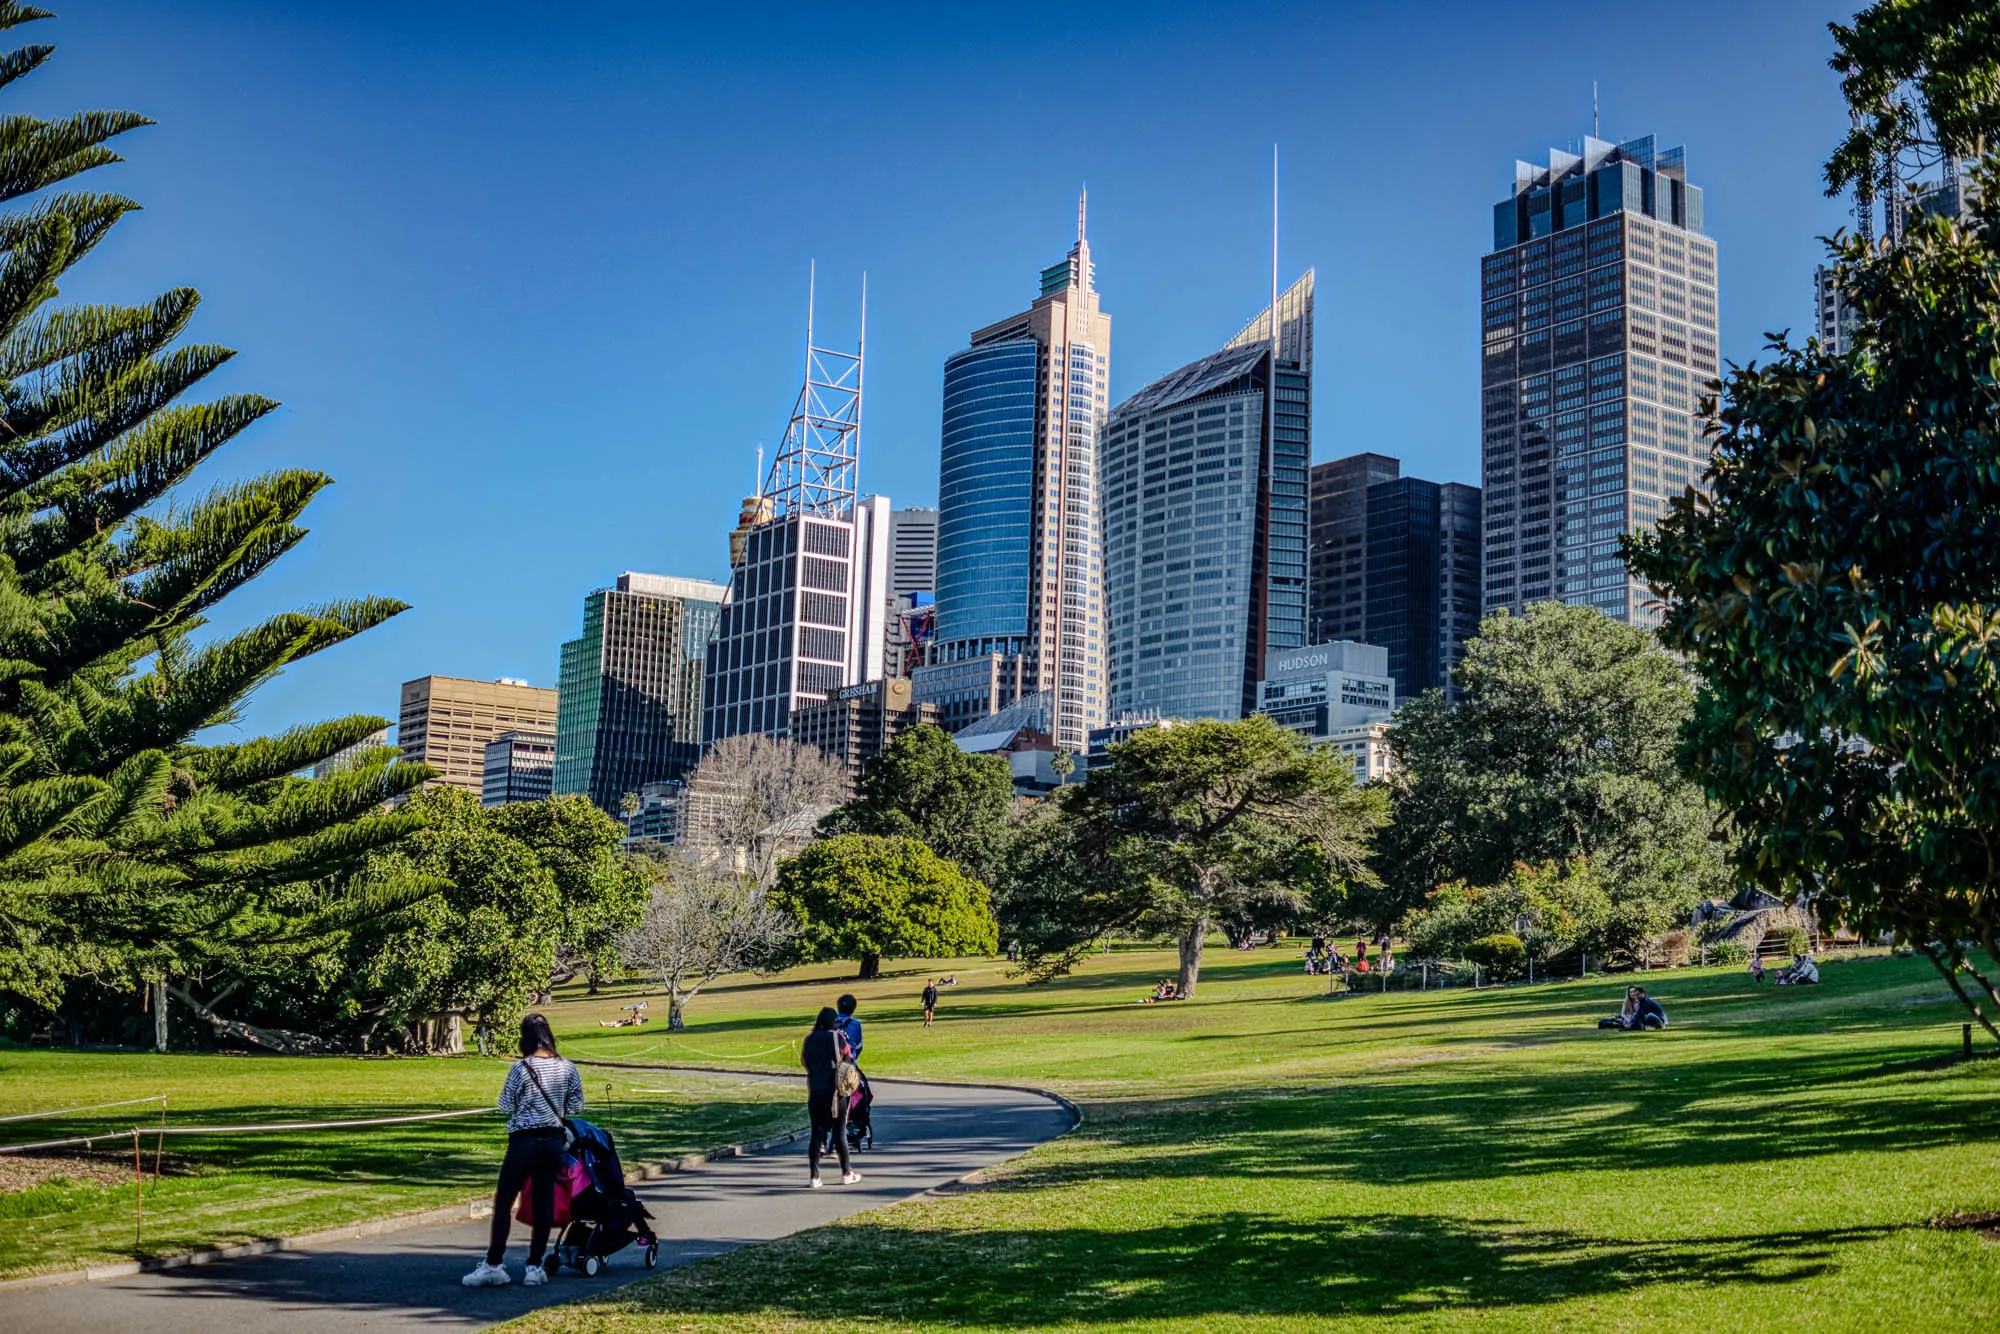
(821, 1054)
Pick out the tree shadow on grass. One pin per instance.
(1228, 1264)
(1503, 1122)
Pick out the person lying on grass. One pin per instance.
(1640, 1011)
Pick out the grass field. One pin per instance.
(1263, 1158)
(219, 1190)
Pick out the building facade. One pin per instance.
(966, 689)
(630, 710)
(860, 721)
(1019, 535)
(1337, 605)
(518, 767)
(805, 617)
(446, 721)
(912, 584)
(1205, 521)
(1599, 328)
(1321, 688)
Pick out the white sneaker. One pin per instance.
(815, 1183)
(849, 1178)
(489, 1276)
(534, 1277)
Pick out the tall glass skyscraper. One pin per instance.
(1205, 521)
(1599, 322)
(1019, 540)
(629, 696)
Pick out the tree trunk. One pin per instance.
(1191, 944)
(676, 1019)
(160, 1016)
(1950, 975)
(871, 966)
(278, 1040)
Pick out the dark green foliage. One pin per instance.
(1840, 596)
(869, 897)
(1840, 593)
(1194, 823)
(1563, 746)
(1792, 940)
(126, 849)
(923, 786)
(1551, 909)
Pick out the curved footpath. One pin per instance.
(928, 1135)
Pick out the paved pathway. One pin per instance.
(928, 1136)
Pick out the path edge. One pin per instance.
(481, 1207)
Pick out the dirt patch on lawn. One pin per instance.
(19, 1172)
(1986, 1225)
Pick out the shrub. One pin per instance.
(1792, 939)
(1548, 908)
(1729, 952)
(1501, 953)
(1674, 948)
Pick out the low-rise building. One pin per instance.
(1367, 745)
(446, 721)
(519, 766)
(1322, 688)
(859, 722)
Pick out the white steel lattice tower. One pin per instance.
(808, 592)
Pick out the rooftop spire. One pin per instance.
(1082, 203)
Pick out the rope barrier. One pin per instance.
(262, 1128)
(711, 1055)
(93, 1107)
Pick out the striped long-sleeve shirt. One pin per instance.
(525, 1107)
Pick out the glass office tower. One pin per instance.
(629, 693)
(1019, 540)
(1205, 521)
(1599, 329)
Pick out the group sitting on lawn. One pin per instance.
(1640, 1011)
(1165, 991)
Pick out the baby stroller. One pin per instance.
(860, 1118)
(607, 1217)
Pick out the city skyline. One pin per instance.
(380, 241)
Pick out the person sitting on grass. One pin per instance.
(1640, 1011)
(1802, 972)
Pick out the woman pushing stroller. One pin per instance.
(542, 1089)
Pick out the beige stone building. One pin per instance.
(446, 721)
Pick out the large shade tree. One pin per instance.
(1190, 823)
(128, 849)
(1563, 746)
(871, 897)
(1839, 590)
(923, 786)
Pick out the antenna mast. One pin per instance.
(1276, 339)
(1593, 108)
(814, 469)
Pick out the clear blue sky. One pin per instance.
(530, 281)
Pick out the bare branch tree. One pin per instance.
(702, 922)
(754, 801)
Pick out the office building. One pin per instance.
(1337, 606)
(662, 807)
(912, 584)
(348, 757)
(1120, 729)
(1951, 195)
(967, 689)
(518, 767)
(1423, 579)
(809, 593)
(1205, 520)
(1019, 735)
(1323, 687)
(860, 721)
(631, 686)
(1599, 329)
(1366, 746)
(1019, 539)
(446, 721)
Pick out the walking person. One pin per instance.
(542, 1089)
(822, 1053)
(930, 1003)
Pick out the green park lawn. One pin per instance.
(224, 1189)
(1263, 1158)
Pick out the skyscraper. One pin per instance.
(1019, 540)
(1423, 566)
(1599, 322)
(1205, 520)
(629, 707)
(809, 592)
(518, 768)
(1338, 548)
(913, 551)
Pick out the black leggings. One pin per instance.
(534, 1158)
(829, 1120)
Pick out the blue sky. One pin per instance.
(531, 282)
